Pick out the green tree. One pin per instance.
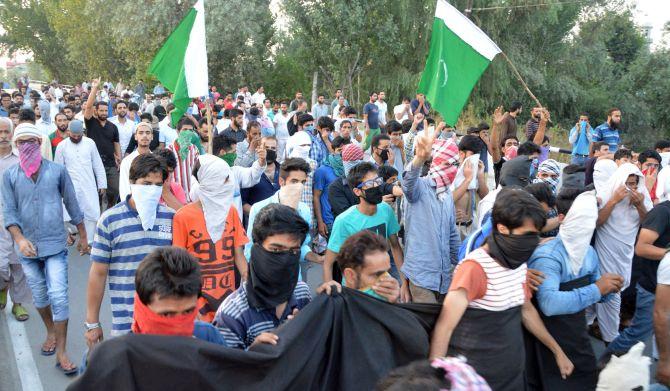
(27, 28)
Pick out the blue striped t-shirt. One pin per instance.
(121, 243)
(605, 133)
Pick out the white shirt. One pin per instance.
(125, 132)
(281, 132)
(383, 108)
(222, 125)
(166, 134)
(400, 109)
(258, 98)
(84, 165)
(124, 174)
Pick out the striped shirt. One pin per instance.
(121, 243)
(182, 174)
(240, 324)
(489, 285)
(605, 133)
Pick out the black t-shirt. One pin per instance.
(104, 137)
(496, 170)
(657, 220)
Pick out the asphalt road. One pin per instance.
(50, 378)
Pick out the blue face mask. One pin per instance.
(308, 128)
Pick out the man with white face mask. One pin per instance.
(211, 229)
(572, 283)
(126, 233)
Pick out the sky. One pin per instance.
(654, 12)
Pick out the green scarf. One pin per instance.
(334, 161)
(229, 158)
(368, 138)
(187, 138)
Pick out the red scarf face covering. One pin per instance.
(145, 321)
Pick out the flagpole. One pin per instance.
(518, 76)
(210, 131)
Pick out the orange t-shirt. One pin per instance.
(217, 260)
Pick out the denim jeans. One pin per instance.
(47, 278)
(642, 325)
(578, 159)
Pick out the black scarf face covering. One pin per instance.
(510, 250)
(272, 277)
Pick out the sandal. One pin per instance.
(3, 299)
(49, 350)
(20, 313)
(67, 372)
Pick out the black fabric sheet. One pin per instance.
(341, 342)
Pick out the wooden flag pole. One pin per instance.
(210, 131)
(518, 76)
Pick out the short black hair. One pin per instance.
(662, 144)
(483, 126)
(222, 142)
(516, 105)
(597, 145)
(5, 95)
(358, 172)
(60, 113)
(27, 115)
(14, 110)
(185, 122)
(573, 169)
(304, 118)
(406, 125)
(514, 206)
(144, 165)
(387, 171)
(622, 153)
(275, 219)
(565, 199)
(542, 192)
(253, 124)
(353, 251)
(418, 375)
(348, 110)
(393, 126)
(293, 164)
(528, 148)
(167, 272)
(235, 112)
(168, 158)
(100, 103)
(325, 122)
(254, 111)
(132, 106)
(649, 154)
(378, 138)
(471, 143)
(612, 110)
(146, 116)
(339, 141)
(119, 102)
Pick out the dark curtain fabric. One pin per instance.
(342, 342)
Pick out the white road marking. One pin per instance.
(30, 377)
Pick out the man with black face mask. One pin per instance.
(272, 294)
(370, 214)
(609, 131)
(489, 299)
(381, 152)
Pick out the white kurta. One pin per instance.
(85, 168)
(124, 174)
(125, 132)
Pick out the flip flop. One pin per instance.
(3, 299)
(67, 372)
(48, 352)
(20, 313)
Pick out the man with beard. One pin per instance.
(533, 123)
(81, 159)
(272, 294)
(60, 134)
(33, 193)
(69, 112)
(106, 137)
(124, 124)
(235, 130)
(609, 131)
(371, 119)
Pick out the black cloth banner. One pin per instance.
(341, 342)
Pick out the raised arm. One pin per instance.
(88, 110)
